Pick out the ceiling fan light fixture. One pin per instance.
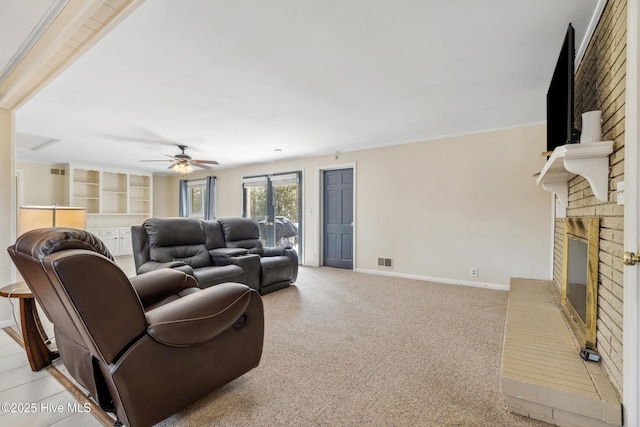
(183, 168)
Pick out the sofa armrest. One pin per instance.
(293, 256)
(154, 265)
(158, 284)
(250, 263)
(201, 316)
(274, 250)
(287, 251)
(227, 252)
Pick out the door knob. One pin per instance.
(630, 258)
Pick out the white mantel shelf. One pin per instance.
(589, 160)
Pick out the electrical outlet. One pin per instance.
(620, 193)
(474, 272)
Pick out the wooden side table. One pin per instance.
(34, 337)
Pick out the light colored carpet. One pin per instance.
(350, 349)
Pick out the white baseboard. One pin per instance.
(494, 286)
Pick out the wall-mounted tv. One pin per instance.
(560, 130)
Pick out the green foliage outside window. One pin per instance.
(285, 200)
(197, 205)
(257, 203)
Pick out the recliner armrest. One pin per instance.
(200, 316)
(158, 284)
(154, 265)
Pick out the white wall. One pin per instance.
(165, 196)
(437, 208)
(40, 187)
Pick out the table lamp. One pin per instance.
(32, 217)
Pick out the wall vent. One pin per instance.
(385, 262)
(55, 171)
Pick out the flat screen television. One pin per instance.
(560, 130)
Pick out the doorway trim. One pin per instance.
(320, 228)
(631, 274)
(19, 183)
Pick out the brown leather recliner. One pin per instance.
(144, 347)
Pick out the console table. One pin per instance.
(34, 337)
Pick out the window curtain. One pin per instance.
(210, 199)
(184, 198)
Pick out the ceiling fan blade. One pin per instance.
(200, 165)
(184, 160)
(206, 162)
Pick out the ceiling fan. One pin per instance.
(183, 163)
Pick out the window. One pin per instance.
(197, 198)
(196, 195)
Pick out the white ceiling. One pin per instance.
(236, 80)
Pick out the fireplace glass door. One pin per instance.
(577, 276)
(580, 277)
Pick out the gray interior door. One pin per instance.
(338, 218)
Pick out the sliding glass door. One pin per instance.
(275, 201)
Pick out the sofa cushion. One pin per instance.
(179, 239)
(195, 256)
(174, 231)
(242, 233)
(214, 238)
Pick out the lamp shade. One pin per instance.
(32, 217)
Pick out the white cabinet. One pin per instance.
(110, 239)
(117, 240)
(126, 246)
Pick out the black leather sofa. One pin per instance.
(214, 252)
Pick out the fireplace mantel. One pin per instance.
(589, 160)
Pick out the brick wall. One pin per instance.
(600, 85)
